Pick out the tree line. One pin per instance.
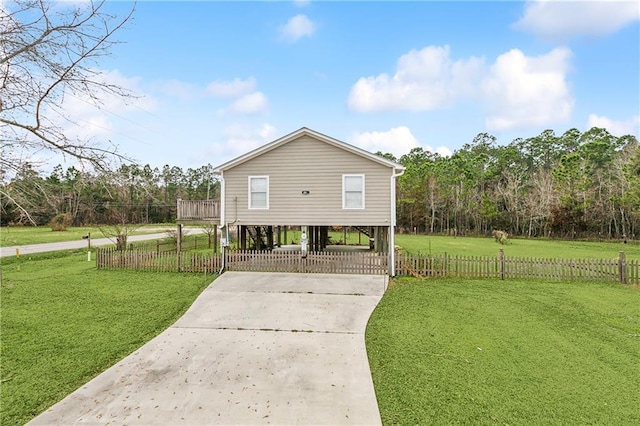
(575, 185)
(130, 194)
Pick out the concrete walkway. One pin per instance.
(254, 348)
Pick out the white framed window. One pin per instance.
(353, 191)
(258, 192)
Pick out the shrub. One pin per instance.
(500, 236)
(60, 222)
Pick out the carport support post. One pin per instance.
(316, 238)
(243, 237)
(270, 237)
(376, 239)
(382, 236)
(324, 237)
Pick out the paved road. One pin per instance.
(78, 244)
(254, 348)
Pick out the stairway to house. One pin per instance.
(366, 230)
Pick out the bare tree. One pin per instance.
(119, 233)
(212, 233)
(539, 202)
(50, 51)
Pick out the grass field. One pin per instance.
(426, 244)
(506, 352)
(23, 235)
(471, 246)
(442, 351)
(63, 322)
(479, 246)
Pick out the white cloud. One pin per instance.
(246, 99)
(184, 91)
(129, 84)
(526, 91)
(231, 89)
(297, 27)
(249, 104)
(301, 3)
(267, 132)
(397, 141)
(518, 91)
(242, 138)
(560, 20)
(615, 127)
(442, 150)
(83, 118)
(424, 79)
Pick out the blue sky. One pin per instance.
(217, 79)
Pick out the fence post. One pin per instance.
(445, 265)
(622, 267)
(501, 255)
(178, 247)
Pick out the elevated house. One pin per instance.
(308, 180)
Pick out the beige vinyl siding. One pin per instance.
(306, 164)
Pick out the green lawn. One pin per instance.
(63, 322)
(471, 246)
(441, 351)
(478, 246)
(506, 352)
(519, 247)
(23, 235)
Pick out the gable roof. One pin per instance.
(304, 131)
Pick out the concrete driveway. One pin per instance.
(254, 348)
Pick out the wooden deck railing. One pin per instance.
(198, 210)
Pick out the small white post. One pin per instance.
(304, 241)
